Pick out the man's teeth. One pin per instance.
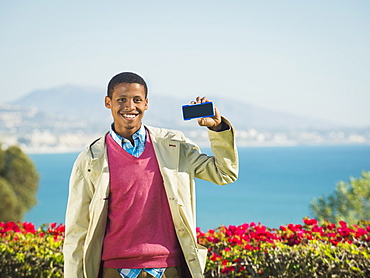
(131, 116)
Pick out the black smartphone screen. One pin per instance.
(200, 110)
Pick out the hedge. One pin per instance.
(309, 250)
(248, 250)
(27, 252)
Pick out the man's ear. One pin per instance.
(108, 102)
(146, 104)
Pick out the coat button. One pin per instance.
(172, 199)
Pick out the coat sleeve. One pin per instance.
(222, 167)
(77, 220)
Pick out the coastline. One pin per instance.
(201, 144)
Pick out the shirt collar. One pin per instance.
(138, 135)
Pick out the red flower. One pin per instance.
(310, 222)
(29, 227)
(227, 270)
(214, 257)
(248, 247)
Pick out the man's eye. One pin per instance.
(121, 99)
(137, 99)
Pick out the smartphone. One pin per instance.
(199, 110)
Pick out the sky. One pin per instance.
(307, 58)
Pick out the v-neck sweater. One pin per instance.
(140, 231)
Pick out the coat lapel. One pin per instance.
(99, 168)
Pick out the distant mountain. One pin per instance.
(86, 106)
(66, 101)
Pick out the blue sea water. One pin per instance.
(275, 185)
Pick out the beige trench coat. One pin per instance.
(180, 162)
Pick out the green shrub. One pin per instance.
(252, 250)
(27, 252)
(349, 202)
(19, 182)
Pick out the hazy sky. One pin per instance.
(310, 58)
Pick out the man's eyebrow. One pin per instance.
(126, 96)
(130, 96)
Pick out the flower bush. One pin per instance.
(29, 252)
(248, 250)
(308, 250)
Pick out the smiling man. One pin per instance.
(131, 205)
(128, 102)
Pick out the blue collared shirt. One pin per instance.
(139, 138)
(133, 273)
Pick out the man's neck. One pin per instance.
(127, 133)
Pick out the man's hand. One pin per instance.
(215, 122)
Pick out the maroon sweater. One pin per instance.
(140, 231)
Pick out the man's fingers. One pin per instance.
(200, 100)
(202, 121)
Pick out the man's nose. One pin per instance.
(129, 105)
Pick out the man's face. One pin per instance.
(128, 104)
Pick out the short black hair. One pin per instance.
(125, 77)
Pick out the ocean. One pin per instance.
(275, 185)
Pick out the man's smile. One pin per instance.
(129, 116)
